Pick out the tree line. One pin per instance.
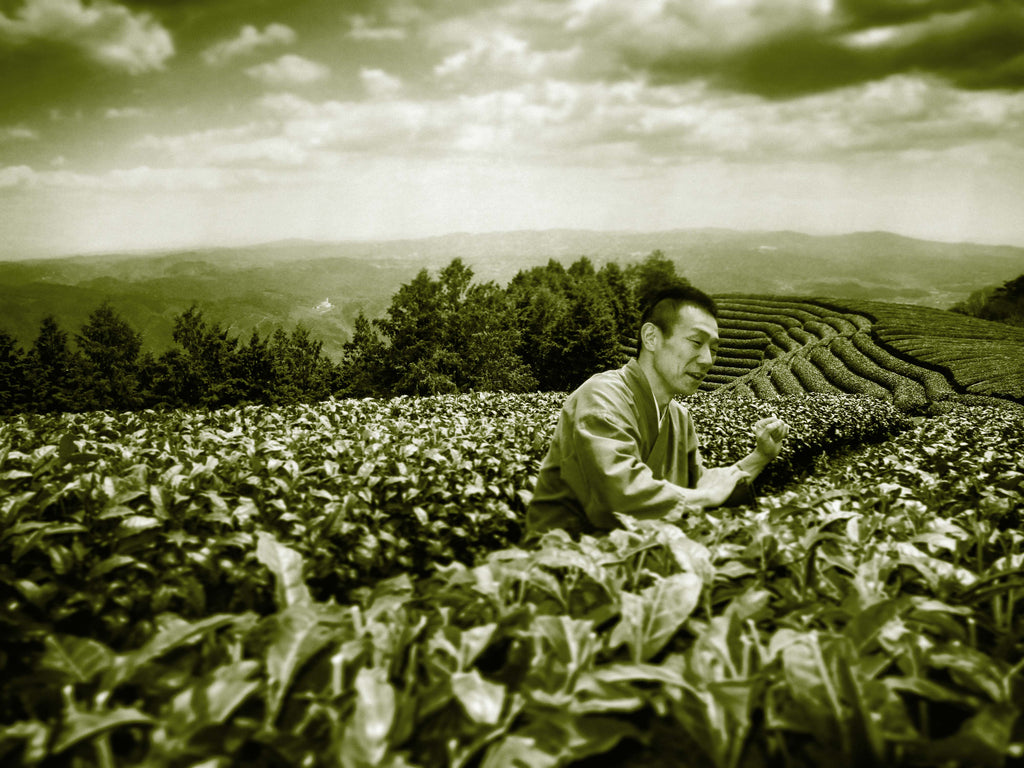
(104, 367)
(549, 329)
(1003, 303)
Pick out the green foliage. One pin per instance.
(1004, 303)
(110, 350)
(14, 375)
(648, 276)
(337, 585)
(440, 335)
(981, 357)
(363, 361)
(108, 370)
(567, 321)
(53, 369)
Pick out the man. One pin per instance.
(623, 445)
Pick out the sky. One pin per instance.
(151, 124)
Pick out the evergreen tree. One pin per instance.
(301, 372)
(53, 369)
(414, 326)
(14, 390)
(485, 332)
(110, 350)
(590, 333)
(538, 297)
(204, 370)
(254, 366)
(622, 301)
(363, 362)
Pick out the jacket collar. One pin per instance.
(638, 383)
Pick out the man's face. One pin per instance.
(683, 358)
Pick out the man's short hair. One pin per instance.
(662, 306)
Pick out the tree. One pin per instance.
(651, 274)
(253, 364)
(363, 362)
(110, 350)
(591, 334)
(623, 303)
(301, 373)
(1004, 303)
(53, 369)
(439, 335)
(13, 375)
(485, 332)
(415, 328)
(566, 324)
(204, 369)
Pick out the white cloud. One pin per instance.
(659, 25)
(132, 179)
(607, 125)
(379, 83)
(289, 69)
(16, 176)
(499, 53)
(363, 29)
(243, 145)
(103, 31)
(123, 113)
(18, 133)
(248, 39)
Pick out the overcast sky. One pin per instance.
(164, 123)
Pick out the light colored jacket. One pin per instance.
(608, 455)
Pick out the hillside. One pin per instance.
(776, 346)
(261, 287)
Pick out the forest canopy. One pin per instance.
(549, 329)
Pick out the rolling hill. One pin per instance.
(280, 284)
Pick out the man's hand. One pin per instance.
(717, 484)
(770, 433)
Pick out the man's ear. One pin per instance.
(651, 336)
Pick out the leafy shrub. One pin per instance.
(863, 617)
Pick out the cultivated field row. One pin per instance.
(773, 347)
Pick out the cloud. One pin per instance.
(362, 29)
(16, 176)
(786, 48)
(379, 83)
(629, 123)
(140, 178)
(289, 69)
(124, 113)
(777, 49)
(104, 32)
(248, 39)
(18, 133)
(503, 54)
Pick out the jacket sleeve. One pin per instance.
(604, 468)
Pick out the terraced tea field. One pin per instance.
(914, 356)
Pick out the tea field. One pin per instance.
(915, 356)
(341, 585)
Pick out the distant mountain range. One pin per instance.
(325, 285)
